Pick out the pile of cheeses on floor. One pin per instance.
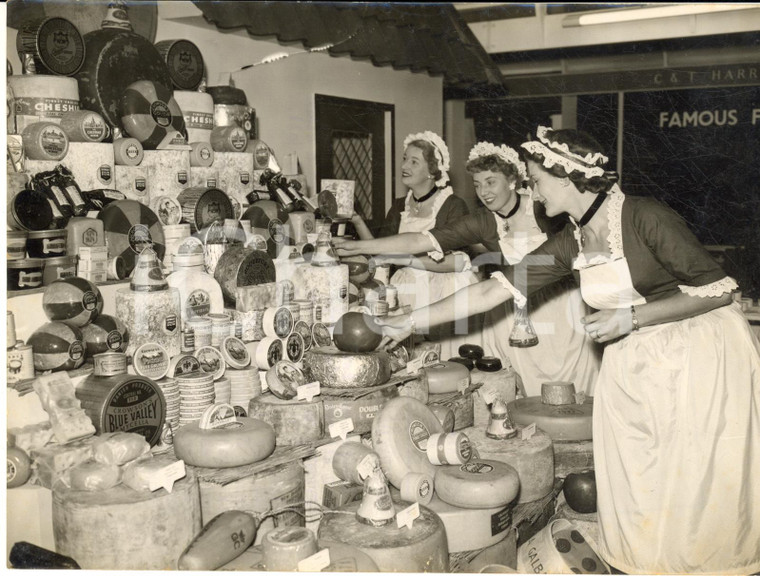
(306, 449)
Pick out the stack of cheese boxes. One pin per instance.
(93, 263)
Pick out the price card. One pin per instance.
(316, 562)
(308, 391)
(463, 385)
(366, 466)
(488, 394)
(263, 378)
(165, 477)
(407, 516)
(528, 432)
(414, 366)
(341, 428)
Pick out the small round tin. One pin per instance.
(109, 363)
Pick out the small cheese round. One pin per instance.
(285, 547)
(477, 484)
(247, 441)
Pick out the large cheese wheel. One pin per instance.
(563, 423)
(472, 528)
(446, 376)
(245, 442)
(285, 547)
(337, 369)
(74, 301)
(45, 141)
(294, 422)
(399, 436)
(131, 226)
(150, 113)
(115, 59)
(477, 484)
(343, 558)
(533, 459)
(421, 548)
(268, 220)
(57, 346)
(123, 529)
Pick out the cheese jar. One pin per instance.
(46, 243)
(200, 293)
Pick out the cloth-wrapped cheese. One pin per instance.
(119, 448)
(137, 474)
(93, 476)
(50, 462)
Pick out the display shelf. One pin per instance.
(41, 289)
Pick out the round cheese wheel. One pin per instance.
(285, 547)
(337, 369)
(472, 528)
(74, 301)
(533, 459)
(150, 113)
(353, 458)
(423, 548)
(45, 141)
(558, 393)
(201, 154)
(446, 377)
(247, 441)
(417, 488)
(84, 126)
(19, 467)
(562, 423)
(131, 226)
(127, 152)
(471, 351)
(477, 484)
(294, 422)
(400, 434)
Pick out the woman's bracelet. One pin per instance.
(634, 319)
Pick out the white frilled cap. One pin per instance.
(441, 153)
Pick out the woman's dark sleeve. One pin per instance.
(547, 264)
(392, 219)
(452, 209)
(461, 232)
(673, 245)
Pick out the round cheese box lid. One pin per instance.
(151, 361)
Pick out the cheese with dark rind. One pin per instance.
(477, 484)
(421, 548)
(571, 422)
(225, 537)
(246, 441)
(294, 422)
(336, 369)
(399, 436)
(533, 459)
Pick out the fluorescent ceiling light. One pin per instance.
(633, 14)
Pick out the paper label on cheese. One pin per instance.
(308, 391)
(366, 466)
(528, 432)
(167, 476)
(408, 515)
(263, 379)
(341, 428)
(463, 385)
(419, 434)
(414, 366)
(316, 562)
(501, 520)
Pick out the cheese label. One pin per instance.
(476, 468)
(463, 385)
(501, 520)
(167, 476)
(263, 379)
(316, 562)
(419, 435)
(341, 428)
(408, 515)
(528, 432)
(366, 466)
(308, 391)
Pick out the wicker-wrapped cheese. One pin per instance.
(336, 369)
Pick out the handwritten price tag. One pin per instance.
(414, 366)
(463, 385)
(528, 432)
(308, 391)
(165, 477)
(408, 515)
(263, 379)
(366, 466)
(316, 562)
(341, 428)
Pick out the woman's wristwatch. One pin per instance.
(634, 319)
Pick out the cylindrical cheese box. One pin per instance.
(185, 64)
(16, 246)
(239, 267)
(41, 98)
(201, 207)
(198, 112)
(257, 493)
(229, 139)
(125, 529)
(128, 151)
(124, 403)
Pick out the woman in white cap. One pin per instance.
(677, 402)
(509, 227)
(429, 202)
